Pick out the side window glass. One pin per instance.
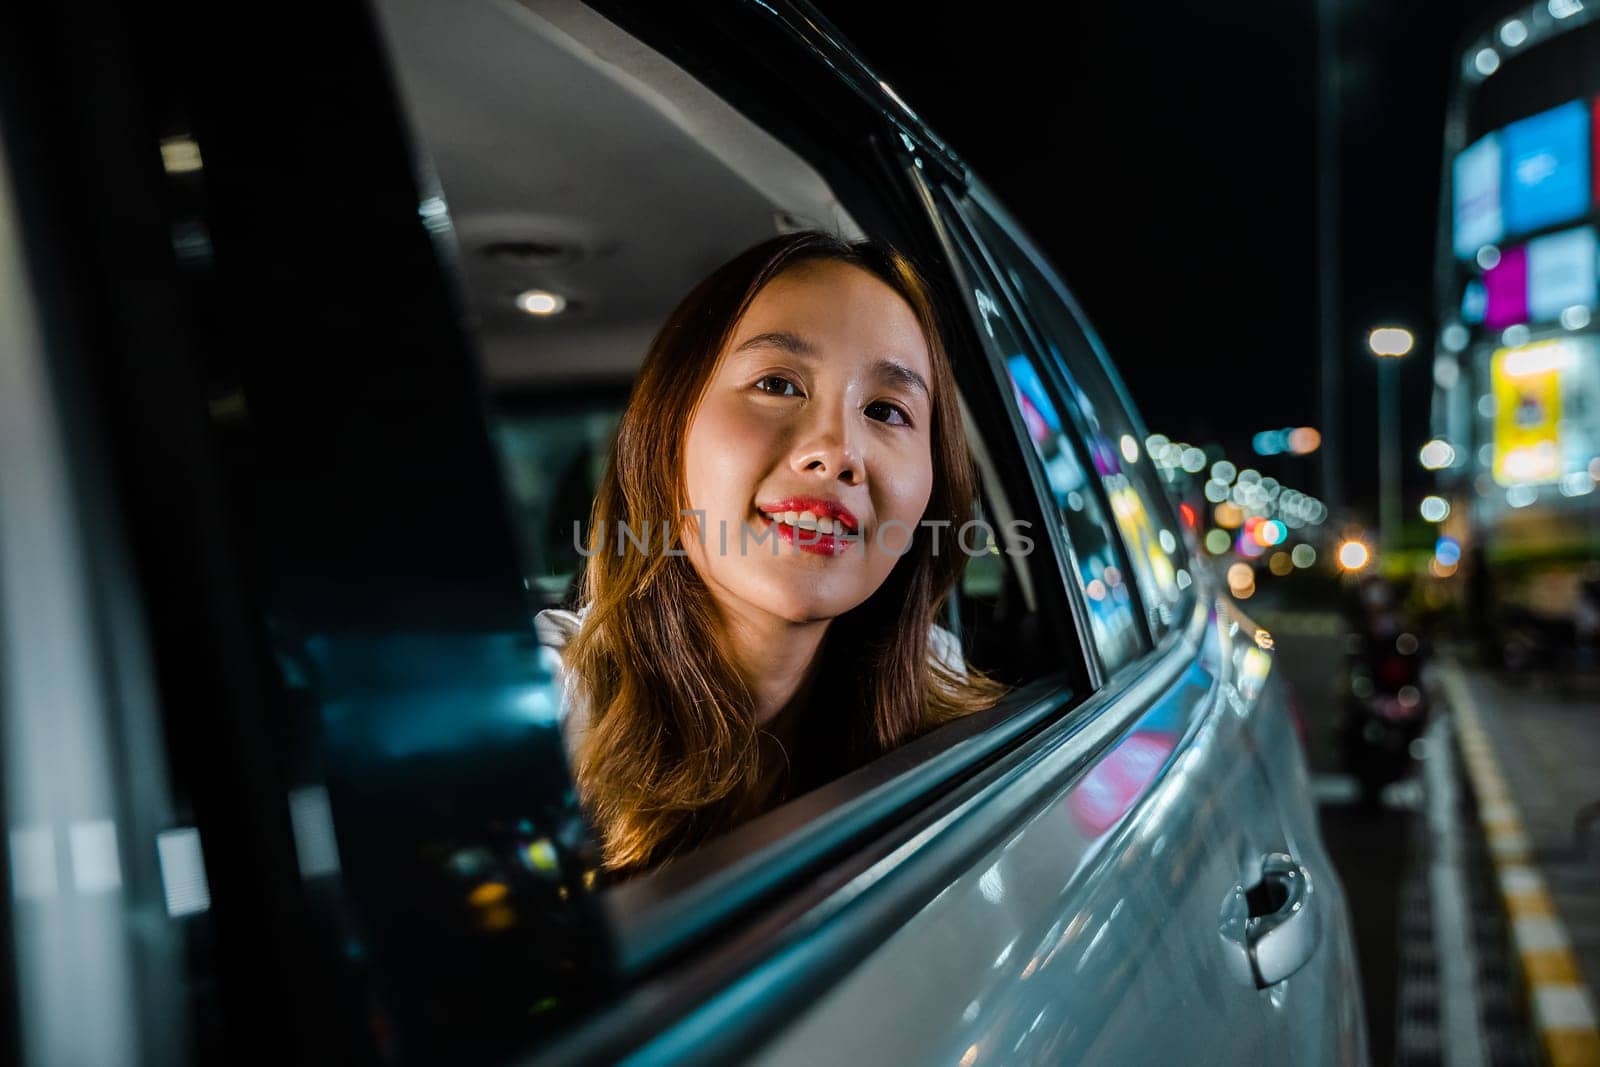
(1139, 502)
(1095, 561)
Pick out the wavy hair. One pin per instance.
(672, 755)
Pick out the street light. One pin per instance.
(1389, 344)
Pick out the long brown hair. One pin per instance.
(672, 753)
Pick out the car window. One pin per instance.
(569, 265)
(1097, 561)
(1148, 523)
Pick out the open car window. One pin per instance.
(580, 185)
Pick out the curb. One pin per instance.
(1559, 1001)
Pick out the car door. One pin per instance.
(1321, 999)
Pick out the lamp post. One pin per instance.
(1389, 344)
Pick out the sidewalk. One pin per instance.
(1533, 758)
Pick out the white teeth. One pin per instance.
(810, 520)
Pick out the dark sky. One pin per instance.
(1166, 158)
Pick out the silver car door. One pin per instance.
(1092, 929)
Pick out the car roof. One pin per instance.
(574, 159)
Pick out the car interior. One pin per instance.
(571, 163)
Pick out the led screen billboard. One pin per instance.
(1506, 290)
(1476, 186)
(1546, 168)
(1561, 273)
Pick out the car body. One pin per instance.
(283, 775)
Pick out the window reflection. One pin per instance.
(1098, 570)
(1149, 531)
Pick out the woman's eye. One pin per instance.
(883, 411)
(777, 385)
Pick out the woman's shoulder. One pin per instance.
(557, 626)
(945, 647)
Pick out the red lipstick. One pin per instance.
(814, 541)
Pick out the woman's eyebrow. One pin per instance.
(884, 369)
(783, 339)
(898, 373)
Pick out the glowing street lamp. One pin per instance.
(1389, 344)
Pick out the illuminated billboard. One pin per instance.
(1476, 184)
(1546, 167)
(1506, 290)
(1545, 409)
(1561, 273)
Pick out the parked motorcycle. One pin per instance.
(1386, 696)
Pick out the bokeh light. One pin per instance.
(1242, 580)
(1280, 564)
(1435, 508)
(1305, 440)
(1218, 542)
(1303, 555)
(1437, 454)
(1353, 555)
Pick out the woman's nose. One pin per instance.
(829, 449)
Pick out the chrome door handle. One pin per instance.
(1271, 928)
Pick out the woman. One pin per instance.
(763, 577)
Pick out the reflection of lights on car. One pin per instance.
(1435, 508)
(1108, 791)
(1264, 640)
(1437, 454)
(1354, 555)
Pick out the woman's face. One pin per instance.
(817, 417)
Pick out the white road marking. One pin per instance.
(1563, 1007)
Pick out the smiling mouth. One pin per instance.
(807, 531)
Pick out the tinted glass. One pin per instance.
(1096, 562)
(1143, 512)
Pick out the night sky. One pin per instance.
(1166, 158)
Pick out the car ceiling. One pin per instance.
(573, 159)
